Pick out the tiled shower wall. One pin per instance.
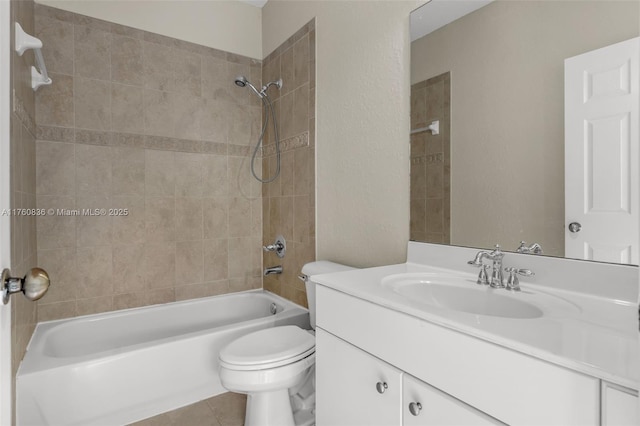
(289, 201)
(430, 202)
(23, 182)
(154, 125)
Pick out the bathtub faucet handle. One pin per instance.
(34, 285)
(279, 246)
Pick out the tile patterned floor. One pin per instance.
(222, 410)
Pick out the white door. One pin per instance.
(601, 154)
(5, 221)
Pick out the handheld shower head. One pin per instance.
(241, 81)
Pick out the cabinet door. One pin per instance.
(354, 388)
(619, 406)
(425, 405)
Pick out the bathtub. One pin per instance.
(119, 367)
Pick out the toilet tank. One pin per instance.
(315, 268)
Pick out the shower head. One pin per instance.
(241, 81)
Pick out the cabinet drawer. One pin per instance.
(437, 408)
(619, 406)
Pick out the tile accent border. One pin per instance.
(24, 116)
(160, 143)
(289, 144)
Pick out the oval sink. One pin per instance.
(463, 295)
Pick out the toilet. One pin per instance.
(275, 367)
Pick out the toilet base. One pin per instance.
(269, 409)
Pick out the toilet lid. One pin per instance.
(268, 346)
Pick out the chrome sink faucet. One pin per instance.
(497, 278)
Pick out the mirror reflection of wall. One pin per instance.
(430, 213)
(506, 66)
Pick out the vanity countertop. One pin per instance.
(595, 335)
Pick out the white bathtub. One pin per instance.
(124, 366)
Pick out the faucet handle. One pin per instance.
(513, 283)
(483, 277)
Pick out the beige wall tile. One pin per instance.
(240, 265)
(131, 113)
(189, 262)
(159, 115)
(54, 103)
(239, 217)
(60, 264)
(93, 228)
(216, 180)
(128, 171)
(56, 231)
(189, 220)
(301, 62)
(92, 49)
(59, 36)
(126, 108)
(128, 268)
(193, 291)
(93, 170)
(159, 173)
(216, 259)
(215, 218)
(55, 168)
(215, 120)
(126, 60)
(94, 305)
(188, 73)
(92, 99)
(159, 265)
(54, 311)
(95, 277)
(189, 171)
(160, 219)
(128, 228)
(158, 66)
(300, 118)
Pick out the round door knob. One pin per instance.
(33, 285)
(381, 387)
(415, 408)
(574, 227)
(36, 283)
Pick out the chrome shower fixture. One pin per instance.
(242, 81)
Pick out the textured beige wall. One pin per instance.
(155, 125)
(507, 78)
(227, 25)
(362, 123)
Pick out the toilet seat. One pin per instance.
(268, 348)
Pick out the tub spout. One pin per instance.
(273, 270)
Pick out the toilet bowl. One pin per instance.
(275, 367)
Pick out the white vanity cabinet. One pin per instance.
(460, 375)
(619, 406)
(425, 405)
(355, 388)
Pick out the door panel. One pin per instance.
(601, 153)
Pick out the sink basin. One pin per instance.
(463, 295)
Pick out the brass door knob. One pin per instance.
(33, 285)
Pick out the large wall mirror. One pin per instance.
(524, 126)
